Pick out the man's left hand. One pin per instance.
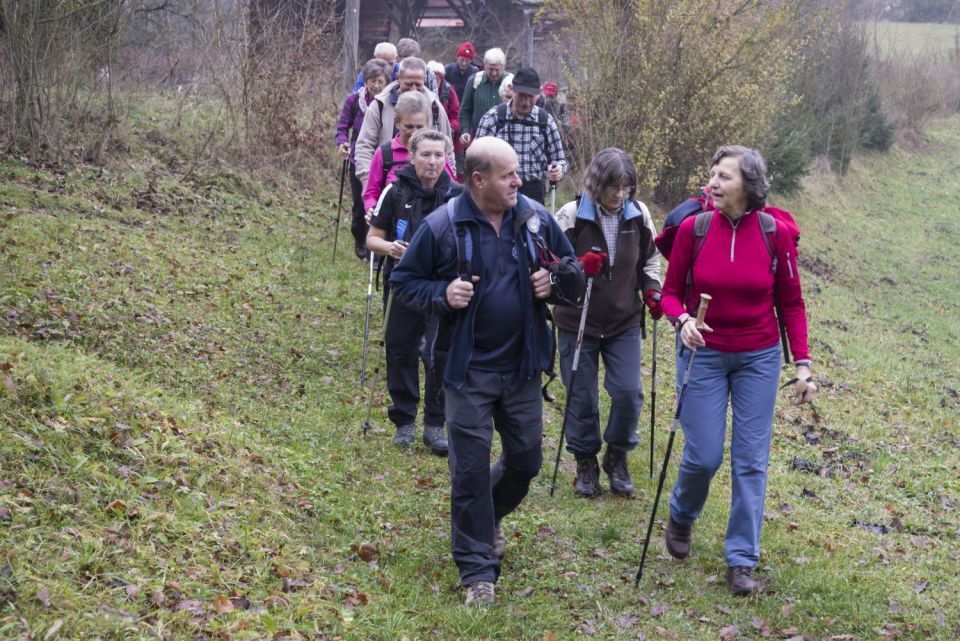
(540, 280)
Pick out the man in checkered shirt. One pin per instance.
(532, 133)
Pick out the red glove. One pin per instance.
(652, 298)
(592, 263)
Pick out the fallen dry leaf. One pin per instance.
(53, 629)
(222, 605)
(728, 633)
(659, 610)
(366, 551)
(43, 596)
(625, 621)
(550, 635)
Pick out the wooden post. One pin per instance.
(351, 40)
(528, 28)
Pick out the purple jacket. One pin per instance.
(351, 118)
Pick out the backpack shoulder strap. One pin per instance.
(768, 228)
(501, 117)
(543, 122)
(386, 155)
(464, 241)
(768, 225)
(700, 227)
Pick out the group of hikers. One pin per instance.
(450, 167)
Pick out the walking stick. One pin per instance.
(701, 312)
(553, 196)
(366, 327)
(573, 378)
(336, 227)
(653, 393)
(376, 370)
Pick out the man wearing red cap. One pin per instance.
(558, 109)
(458, 72)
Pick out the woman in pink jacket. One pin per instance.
(411, 114)
(738, 355)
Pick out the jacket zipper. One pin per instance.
(733, 239)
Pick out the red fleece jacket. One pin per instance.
(734, 267)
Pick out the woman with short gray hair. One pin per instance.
(607, 216)
(748, 266)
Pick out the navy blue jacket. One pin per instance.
(421, 277)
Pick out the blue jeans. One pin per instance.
(749, 380)
(621, 358)
(480, 495)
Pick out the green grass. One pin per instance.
(898, 38)
(181, 458)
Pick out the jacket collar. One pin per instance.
(587, 210)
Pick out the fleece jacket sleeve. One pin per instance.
(790, 294)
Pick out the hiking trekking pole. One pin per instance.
(653, 393)
(376, 370)
(553, 196)
(701, 312)
(573, 377)
(336, 227)
(366, 327)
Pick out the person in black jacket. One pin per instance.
(420, 187)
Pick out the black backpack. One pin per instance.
(386, 154)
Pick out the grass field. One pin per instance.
(898, 38)
(181, 458)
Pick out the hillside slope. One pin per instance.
(181, 454)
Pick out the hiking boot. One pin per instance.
(678, 539)
(481, 593)
(499, 541)
(615, 465)
(405, 435)
(360, 250)
(740, 580)
(435, 437)
(587, 482)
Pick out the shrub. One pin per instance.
(669, 81)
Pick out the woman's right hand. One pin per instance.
(396, 249)
(344, 151)
(690, 333)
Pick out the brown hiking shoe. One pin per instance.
(678, 539)
(481, 593)
(740, 580)
(615, 465)
(587, 482)
(499, 541)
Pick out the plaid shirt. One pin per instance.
(610, 224)
(533, 152)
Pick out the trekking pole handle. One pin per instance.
(702, 309)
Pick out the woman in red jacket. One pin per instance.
(738, 353)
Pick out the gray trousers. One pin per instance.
(621, 358)
(480, 495)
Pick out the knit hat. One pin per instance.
(466, 50)
(550, 88)
(436, 67)
(527, 81)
